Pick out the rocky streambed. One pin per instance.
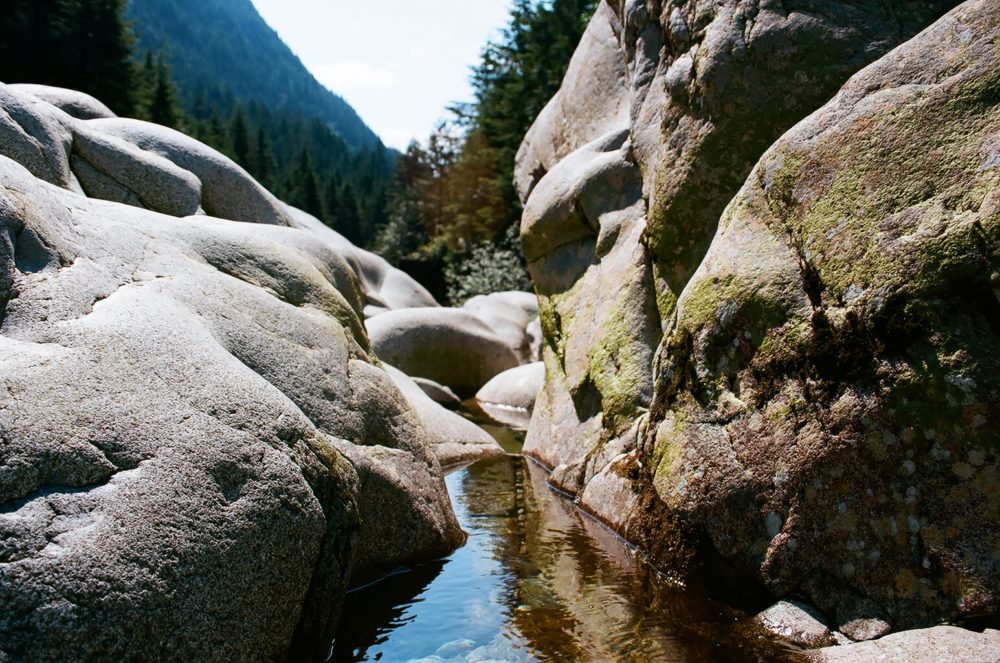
(539, 579)
(762, 347)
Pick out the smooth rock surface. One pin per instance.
(199, 453)
(111, 169)
(32, 135)
(932, 645)
(228, 191)
(515, 388)
(385, 287)
(438, 393)
(449, 346)
(75, 104)
(452, 438)
(512, 316)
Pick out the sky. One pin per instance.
(399, 63)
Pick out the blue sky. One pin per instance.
(398, 62)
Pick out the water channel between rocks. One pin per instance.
(537, 580)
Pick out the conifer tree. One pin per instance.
(239, 137)
(163, 106)
(264, 160)
(84, 45)
(347, 222)
(331, 200)
(302, 187)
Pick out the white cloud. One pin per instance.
(350, 75)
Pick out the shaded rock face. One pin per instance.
(822, 407)
(664, 110)
(199, 449)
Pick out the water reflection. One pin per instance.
(537, 581)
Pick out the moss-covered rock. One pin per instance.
(841, 335)
(825, 394)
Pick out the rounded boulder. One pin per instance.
(449, 346)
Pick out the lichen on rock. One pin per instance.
(824, 408)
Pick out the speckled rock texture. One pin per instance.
(796, 622)
(663, 112)
(931, 645)
(822, 407)
(198, 449)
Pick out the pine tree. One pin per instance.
(264, 160)
(331, 199)
(85, 45)
(163, 106)
(348, 222)
(239, 137)
(301, 186)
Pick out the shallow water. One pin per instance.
(538, 580)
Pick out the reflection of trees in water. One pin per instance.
(370, 613)
(567, 588)
(588, 597)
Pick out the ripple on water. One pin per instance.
(537, 580)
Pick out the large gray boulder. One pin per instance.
(450, 346)
(385, 287)
(514, 317)
(32, 134)
(199, 450)
(806, 388)
(109, 168)
(510, 396)
(228, 191)
(659, 120)
(75, 104)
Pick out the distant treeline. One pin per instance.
(453, 199)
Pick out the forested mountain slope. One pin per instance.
(225, 49)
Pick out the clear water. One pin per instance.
(538, 580)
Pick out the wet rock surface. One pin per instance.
(798, 623)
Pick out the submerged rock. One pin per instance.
(199, 449)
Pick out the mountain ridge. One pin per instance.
(253, 60)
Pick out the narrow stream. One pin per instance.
(538, 580)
